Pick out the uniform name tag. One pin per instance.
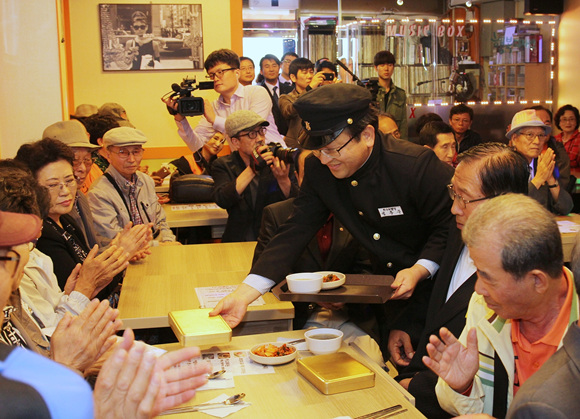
(390, 211)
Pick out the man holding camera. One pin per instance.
(250, 178)
(302, 75)
(223, 67)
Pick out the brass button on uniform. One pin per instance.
(360, 213)
(389, 264)
(354, 183)
(376, 236)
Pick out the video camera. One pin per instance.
(188, 105)
(372, 85)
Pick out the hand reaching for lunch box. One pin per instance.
(233, 306)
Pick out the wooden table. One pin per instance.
(166, 280)
(179, 216)
(568, 239)
(286, 394)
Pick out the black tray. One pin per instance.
(367, 289)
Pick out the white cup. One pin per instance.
(304, 283)
(323, 341)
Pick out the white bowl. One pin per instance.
(323, 341)
(334, 284)
(304, 283)
(273, 360)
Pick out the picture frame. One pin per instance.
(151, 37)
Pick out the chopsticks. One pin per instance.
(384, 413)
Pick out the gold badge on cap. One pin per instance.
(349, 121)
(307, 125)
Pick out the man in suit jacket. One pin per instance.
(250, 178)
(390, 195)
(484, 171)
(270, 70)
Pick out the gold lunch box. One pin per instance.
(336, 373)
(195, 327)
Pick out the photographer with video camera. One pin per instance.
(223, 67)
(252, 177)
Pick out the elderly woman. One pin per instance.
(528, 135)
(567, 120)
(51, 162)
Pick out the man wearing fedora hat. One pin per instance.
(390, 194)
(528, 134)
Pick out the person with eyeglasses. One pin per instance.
(391, 195)
(250, 178)
(528, 135)
(50, 162)
(287, 59)
(124, 195)
(567, 120)
(223, 67)
(247, 71)
(483, 172)
(144, 48)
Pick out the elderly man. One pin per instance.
(524, 303)
(484, 171)
(549, 392)
(528, 134)
(250, 178)
(390, 194)
(123, 194)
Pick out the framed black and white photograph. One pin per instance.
(151, 36)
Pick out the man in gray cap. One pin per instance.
(390, 194)
(124, 194)
(250, 178)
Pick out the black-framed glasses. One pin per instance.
(332, 153)
(219, 73)
(142, 27)
(12, 262)
(254, 134)
(453, 195)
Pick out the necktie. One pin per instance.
(275, 95)
(133, 206)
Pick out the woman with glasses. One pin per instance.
(144, 48)
(567, 120)
(528, 135)
(51, 163)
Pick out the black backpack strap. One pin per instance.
(110, 178)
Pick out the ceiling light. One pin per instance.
(400, 2)
(468, 3)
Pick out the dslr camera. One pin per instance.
(187, 104)
(287, 155)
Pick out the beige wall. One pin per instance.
(567, 89)
(138, 92)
